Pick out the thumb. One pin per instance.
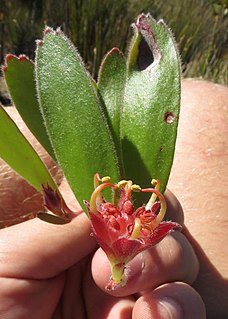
(174, 300)
(38, 250)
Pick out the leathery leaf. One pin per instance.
(111, 83)
(73, 115)
(151, 103)
(16, 151)
(19, 76)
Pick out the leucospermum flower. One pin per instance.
(123, 231)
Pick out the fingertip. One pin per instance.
(170, 301)
(101, 272)
(171, 260)
(150, 307)
(100, 268)
(174, 208)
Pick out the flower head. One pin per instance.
(123, 231)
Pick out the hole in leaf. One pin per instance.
(145, 55)
(169, 117)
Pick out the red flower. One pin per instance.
(123, 232)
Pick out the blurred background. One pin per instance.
(95, 26)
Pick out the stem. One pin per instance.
(118, 272)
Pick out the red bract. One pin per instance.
(123, 232)
(55, 203)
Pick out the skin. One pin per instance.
(50, 271)
(47, 271)
(199, 180)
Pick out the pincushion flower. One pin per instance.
(120, 230)
(123, 231)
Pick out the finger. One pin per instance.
(174, 208)
(36, 249)
(173, 259)
(99, 304)
(119, 309)
(112, 308)
(25, 298)
(170, 301)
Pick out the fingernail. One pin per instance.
(170, 309)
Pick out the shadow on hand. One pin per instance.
(212, 287)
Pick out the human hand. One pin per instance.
(190, 182)
(47, 271)
(159, 279)
(199, 179)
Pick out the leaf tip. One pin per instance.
(48, 30)
(11, 57)
(4, 68)
(8, 59)
(23, 57)
(116, 50)
(39, 43)
(148, 52)
(58, 31)
(140, 21)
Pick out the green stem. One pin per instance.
(118, 272)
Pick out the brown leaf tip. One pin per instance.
(142, 22)
(116, 50)
(48, 30)
(23, 57)
(11, 57)
(39, 42)
(4, 68)
(58, 31)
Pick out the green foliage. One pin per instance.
(20, 155)
(130, 132)
(111, 85)
(95, 27)
(151, 104)
(72, 113)
(19, 76)
(124, 127)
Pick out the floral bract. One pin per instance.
(122, 231)
(55, 203)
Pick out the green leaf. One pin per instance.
(111, 84)
(16, 151)
(151, 105)
(74, 119)
(52, 219)
(19, 76)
